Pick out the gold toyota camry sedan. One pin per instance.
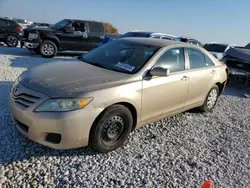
(99, 98)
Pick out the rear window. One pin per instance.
(215, 48)
(135, 34)
(95, 27)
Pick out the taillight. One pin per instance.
(19, 28)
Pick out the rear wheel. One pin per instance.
(112, 129)
(48, 49)
(211, 99)
(11, 41)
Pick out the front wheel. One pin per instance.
(11, 41)
(48, 49)
(112, 129)
(210, 100)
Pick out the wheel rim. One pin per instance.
(48, 49)
(12, 41)
(113, 129)
(212, 98)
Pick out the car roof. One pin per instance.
(83, 20)
(189, 38)
(150, 33)
(163, 34)
(7, 19)
(140, 31)
(218, 43)
(152, 41)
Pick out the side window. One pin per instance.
(172, 59)
(167, 38)
(209, 62)
(197, 59)
(95, 27)
(79, 27)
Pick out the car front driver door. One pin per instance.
(165, 95)
(76, 39)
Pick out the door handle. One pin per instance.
(213, 71)
(184, 78)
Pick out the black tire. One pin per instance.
(208, 107)
(48, 49)
(11, 41)
(103, 136)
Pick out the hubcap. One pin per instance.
(48, 49)
(113, 129)
(212, 97)
(12, 41)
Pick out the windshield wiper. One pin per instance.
(103, 66)
(96, 64)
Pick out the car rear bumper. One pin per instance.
(58, 130)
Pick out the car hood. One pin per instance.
(70, 78)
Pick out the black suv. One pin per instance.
(67, 34)
(10, 32)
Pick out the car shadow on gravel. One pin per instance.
(15, 147)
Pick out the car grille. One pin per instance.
(24, 100)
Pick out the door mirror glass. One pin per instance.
(159, 71)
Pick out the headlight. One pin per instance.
(33, 36)
(63, 105)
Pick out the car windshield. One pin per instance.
(220, 48)
(120, 56)
(60, 24)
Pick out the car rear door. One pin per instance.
(96, 33)
(201, 71)
(165, 95)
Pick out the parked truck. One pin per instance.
(65, 35)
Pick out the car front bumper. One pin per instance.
(30, 45)
(58, 130)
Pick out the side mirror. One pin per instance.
(159, 71)
(68, 30)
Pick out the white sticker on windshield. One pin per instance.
(125, 66)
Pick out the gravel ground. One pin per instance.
(181, 151)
